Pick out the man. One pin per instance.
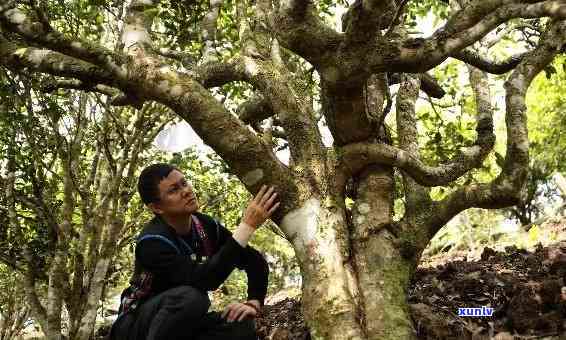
(180, 255)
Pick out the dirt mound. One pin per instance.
(525, 289)
(282, 321)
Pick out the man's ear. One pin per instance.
(155, 208)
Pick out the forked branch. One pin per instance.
(507, 188)
(466, 27)
(298, 28)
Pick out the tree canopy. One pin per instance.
(315, 78)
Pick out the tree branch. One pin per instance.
(16, 57)
(135, 35)
(429, 85)
(396, 18)
(38, 310)
(293, 110)
(500, 35)
(507, 188)
(466, 27)
(254, 110)
(416, 196)
(278, 90)
(186, 59)
(358, 155)
(215, 74)
(52, 85)
(297, 27)
(209, 30)
(249, 158)
(364, 19)
(475, 59)
(16, 21)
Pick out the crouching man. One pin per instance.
(182, 254)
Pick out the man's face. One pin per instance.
(177, 196)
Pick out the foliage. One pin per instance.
(418, 10)
(546, 119)
(546, 103)
(470, 231)
(71, 156)
(14, 312)
(24, 132)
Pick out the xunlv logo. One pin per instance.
(478, 311)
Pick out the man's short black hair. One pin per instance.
(148, 182)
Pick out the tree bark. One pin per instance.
(318, 233)
(382, 271)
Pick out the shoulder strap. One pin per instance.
(159, 237)
(211, 223)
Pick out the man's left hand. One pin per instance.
(239, 311)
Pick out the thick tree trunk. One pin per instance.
(349, 295)
(382, 272)
(384, 278)
(318, 230)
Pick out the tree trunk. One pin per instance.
(13, 315)
(383, 273)
(318, 230)
(360, 295)
(560, 183)
(54, 298)
(95, 293)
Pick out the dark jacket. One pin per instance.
(170, 269)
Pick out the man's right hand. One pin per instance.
(261, 207)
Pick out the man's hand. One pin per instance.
(239, 311)
(261, 207)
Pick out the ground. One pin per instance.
(526, 289)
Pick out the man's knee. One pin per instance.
(190, 297)
(244, 330)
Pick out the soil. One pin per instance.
(526, 290)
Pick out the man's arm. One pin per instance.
(255, 266)
(175, 269)
(257, 270)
